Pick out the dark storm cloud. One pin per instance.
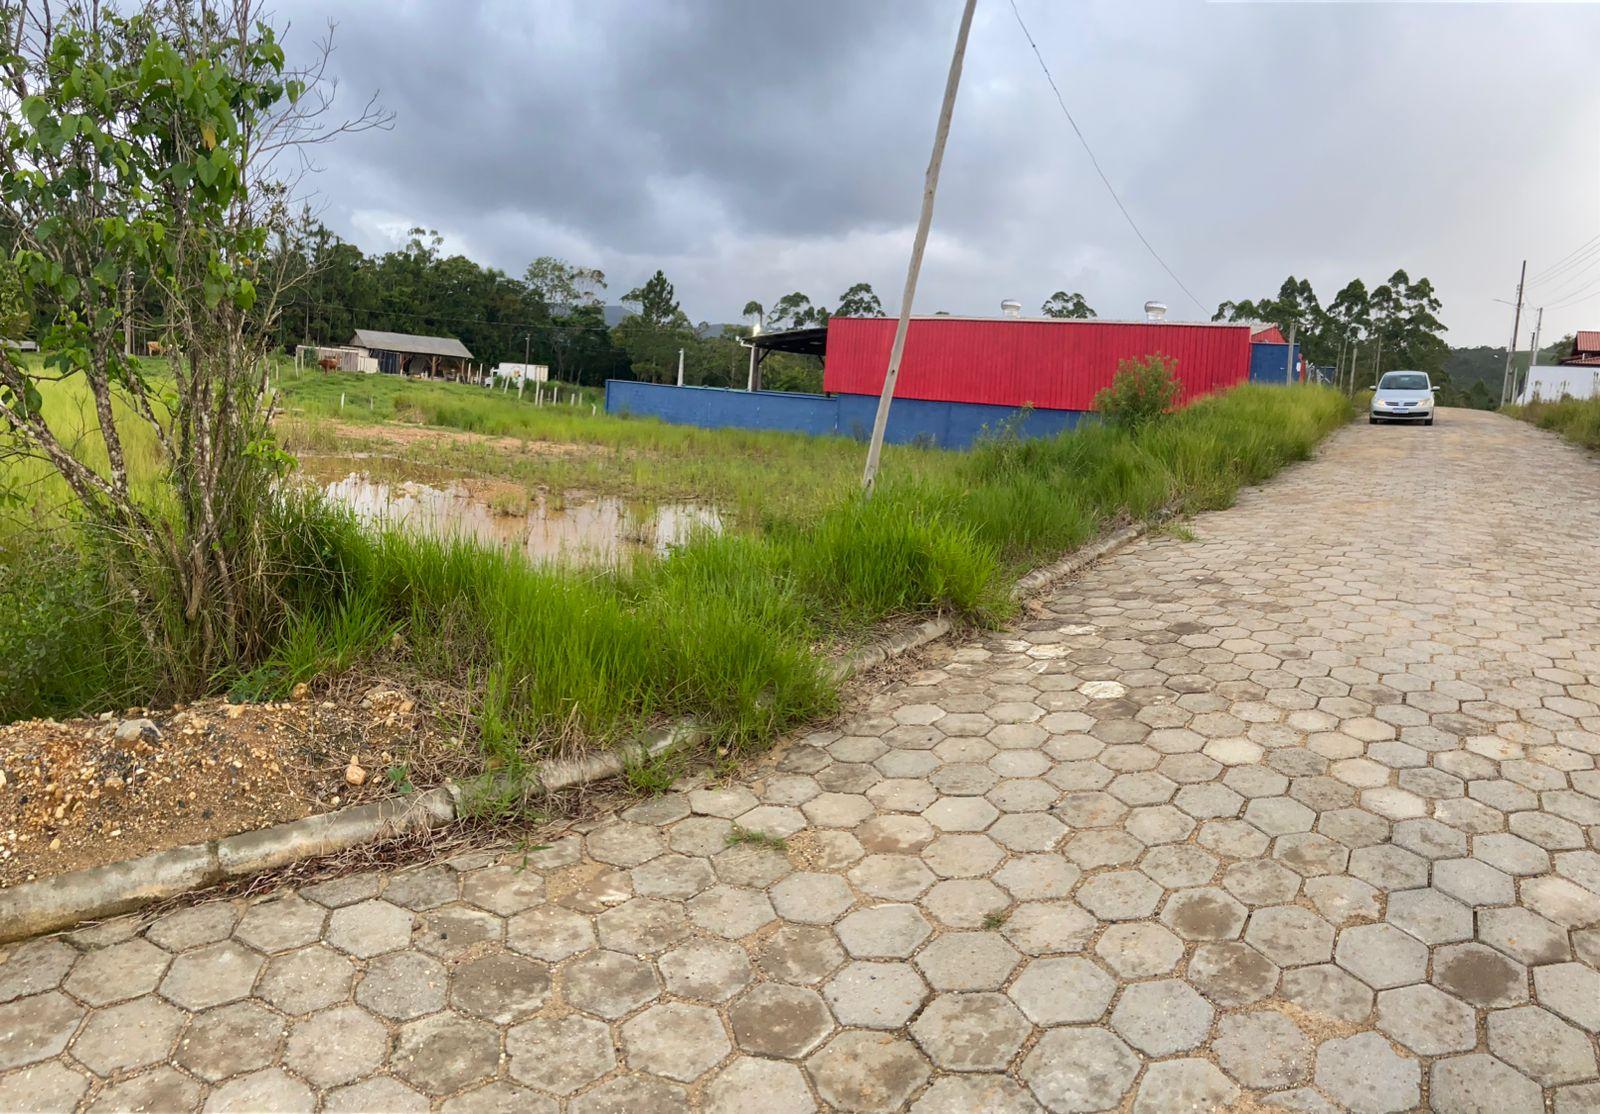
(753, 148)
(604, 119)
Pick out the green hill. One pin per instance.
(1474, 375)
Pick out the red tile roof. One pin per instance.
(1588, 340)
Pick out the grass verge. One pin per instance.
(1576, 419)
(729, 630)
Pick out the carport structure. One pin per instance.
(811, 341)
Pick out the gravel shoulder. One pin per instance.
(86, 792)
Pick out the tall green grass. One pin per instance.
(729, 630)
(750, 475)
(1576, 419)
(464, 406)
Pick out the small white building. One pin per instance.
(1548, 383)
(521, 373)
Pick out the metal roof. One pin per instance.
(1587, 340)
(811, 341)
(406, 342)
(1074, 322)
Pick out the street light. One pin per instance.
(755, 331)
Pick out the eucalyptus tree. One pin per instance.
(859, 301)
(1064, 305)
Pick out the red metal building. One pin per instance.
(1044, 363)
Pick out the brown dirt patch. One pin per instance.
(404, 435)
(75, 795)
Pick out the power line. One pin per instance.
(1096, 163)
(1577, 278)
(1585, 250)
(1583, 295)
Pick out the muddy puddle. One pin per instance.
(572, 529)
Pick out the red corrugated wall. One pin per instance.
(1050, 365)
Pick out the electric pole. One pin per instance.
(930, 186)
(1533, 354)
(1516, 324)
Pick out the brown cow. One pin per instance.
(328, 363)
(153, 348)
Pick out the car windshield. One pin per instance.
(1403, 381)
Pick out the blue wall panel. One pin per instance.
(1269, 363)
(951, 425)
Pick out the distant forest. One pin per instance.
(1475, 374)
(556, 313)
(1394, 325)
(565, 316)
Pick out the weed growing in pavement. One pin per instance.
(996, 918)
(1177, 531)
(527, 849)
(652, 774)
(745, 837)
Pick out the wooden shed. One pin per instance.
(407, 354)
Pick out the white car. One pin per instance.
(1403, 396)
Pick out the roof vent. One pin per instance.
(1011, 307)
(1155, 311)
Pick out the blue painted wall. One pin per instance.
(1269, 363)
(950, 425)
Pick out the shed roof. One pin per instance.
(810, 341)
(1587, 340)
(407, 342)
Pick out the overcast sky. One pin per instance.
(753, 148)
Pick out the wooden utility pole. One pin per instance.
(1516, 324)
(930, 186)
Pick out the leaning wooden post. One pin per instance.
(930, 186)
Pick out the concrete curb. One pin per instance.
(33, 908)
(50, 904)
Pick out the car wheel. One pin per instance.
(1371, 420)
(1427, 421)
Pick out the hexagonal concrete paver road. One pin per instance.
(1302, 814)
